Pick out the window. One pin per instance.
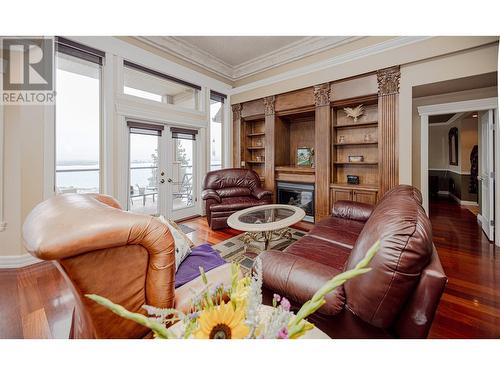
(151, 85)
(78, 117)
(216, 120)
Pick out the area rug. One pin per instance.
(186, 229)
(233, 250)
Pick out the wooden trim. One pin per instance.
(388, 112)
(365, 99)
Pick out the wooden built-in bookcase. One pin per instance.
(253, 141)
(355, 138)
(268, 131)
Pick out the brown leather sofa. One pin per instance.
(397, 298)
(229, 190)
(120, 255)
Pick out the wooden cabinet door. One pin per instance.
(340, 195)
(364, 196)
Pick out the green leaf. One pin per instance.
(159, 330)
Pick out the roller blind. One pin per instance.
(136, 127)
(79, 50)
(182, 133)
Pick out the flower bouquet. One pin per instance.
(219, 312)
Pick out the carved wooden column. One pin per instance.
(322, 153)
(270, 144)
(388, 118)
(236, 135)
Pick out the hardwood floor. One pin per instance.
(470, 306)
(35, 302)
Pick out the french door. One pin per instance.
(162, 170)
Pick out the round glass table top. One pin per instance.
(267, 217)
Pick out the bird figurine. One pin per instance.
(355, 113)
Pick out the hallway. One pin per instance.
(470, 307)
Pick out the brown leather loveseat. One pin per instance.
(229, 190)
(397, 298)
(120, 255)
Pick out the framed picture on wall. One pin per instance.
(304, 157)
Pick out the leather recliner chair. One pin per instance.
(123, 256)
(226, 191)
(397, 298)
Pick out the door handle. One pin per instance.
(162, 181)
(170, 180)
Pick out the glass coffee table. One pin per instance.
(266, 223)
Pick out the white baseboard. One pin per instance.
(18, 261)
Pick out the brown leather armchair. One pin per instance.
(120, 255)
(397, 298)
(229, 190)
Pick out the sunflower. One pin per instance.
(222, 322)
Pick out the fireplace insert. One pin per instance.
(300, 195)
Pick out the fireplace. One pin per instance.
(300, 195)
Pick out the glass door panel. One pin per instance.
(182, 174)
(143, 177)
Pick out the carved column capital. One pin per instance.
(322, 94)
(236, 111)
(388, 81)
(269, 105)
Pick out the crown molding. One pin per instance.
(331, 62)
(289, 53)
(292, 52)
(190, 53)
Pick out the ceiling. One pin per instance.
(237, 50)
(236, 57)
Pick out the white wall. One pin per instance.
(29, 145)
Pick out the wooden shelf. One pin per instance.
(355, 163)
(354, 186)
(356, 143)
(293, 168)
(256, 148)
(359, 125)
(255, 134)
(255, 162)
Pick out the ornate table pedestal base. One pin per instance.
(267, 236)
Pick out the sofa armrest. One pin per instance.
(416, 318)
(210, 194)
(298, 279)
(260, 193)
(352, 210)
(70, 225)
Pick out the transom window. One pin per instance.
(151, 85)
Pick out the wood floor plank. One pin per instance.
(35, 301)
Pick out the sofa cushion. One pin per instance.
(236, 204)
(340, 231)
(233, 192)
(298, 278)
(404, 229)
(317, 250)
